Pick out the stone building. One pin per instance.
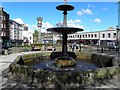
(103, 37)
(16, 35)
(4, 29)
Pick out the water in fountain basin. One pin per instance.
(80, 66)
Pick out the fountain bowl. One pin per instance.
(65, 62)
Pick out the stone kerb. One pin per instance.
(62, 79)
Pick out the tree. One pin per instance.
(35, 36)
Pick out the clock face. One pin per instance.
(39, 22)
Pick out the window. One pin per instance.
(73, 36)
(4, 17)
(92, 35)
(80, 36)
(4, 25)
(1, 17)
(86, 35)
(1, 25)
(83, 36)
(103, 35)
(89, 35)
(108, 35)
(114, 35)
(95, 35)
(69, 36)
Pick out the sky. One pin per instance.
(91, 16)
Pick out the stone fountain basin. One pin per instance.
(21, 68)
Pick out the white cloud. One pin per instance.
(87, 11)
(34, 26)
(75, 23)
(79, 13)
(27, 25)
(44, 27)
(78, 21)
(97, 20)
(19, 20)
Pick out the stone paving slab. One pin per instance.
(6, 60)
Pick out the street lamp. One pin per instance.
(39, 24)
(80, 43)
(91, 36)
(117, 39)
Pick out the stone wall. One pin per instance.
(102, 60)
(55, 79)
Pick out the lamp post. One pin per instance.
(98, 42)
(117, 39)
(39, 24)
(80, 43)
(91, 36)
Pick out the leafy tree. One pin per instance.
(35, 36)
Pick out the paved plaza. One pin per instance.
(6, 82)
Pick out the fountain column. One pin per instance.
(64, 43)
(65, 19)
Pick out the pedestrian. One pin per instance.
(73, 48)
(53, 48)
(32, 48)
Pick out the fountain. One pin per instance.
(63, 70)
(64, 58)
(64, 61)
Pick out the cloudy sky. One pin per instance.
(91, 16)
